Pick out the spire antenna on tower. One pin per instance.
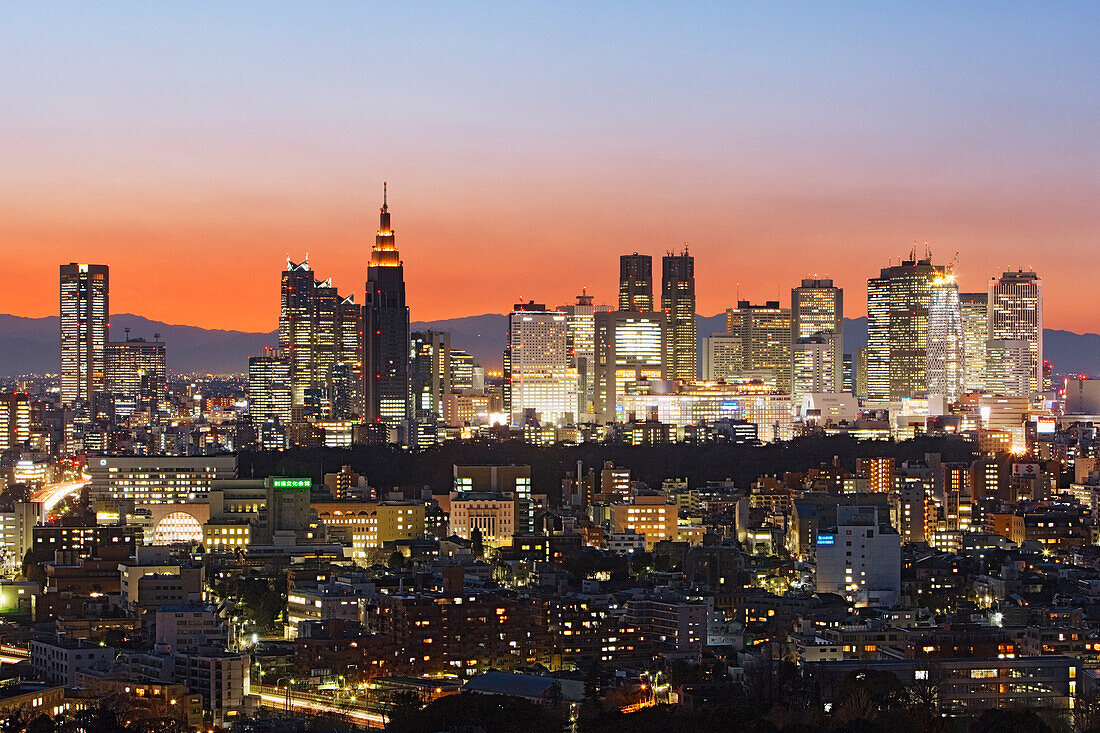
(384, 186)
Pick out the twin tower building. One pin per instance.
(571, 365)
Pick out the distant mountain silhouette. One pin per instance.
(30, 345)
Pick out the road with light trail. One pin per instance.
(51, 494)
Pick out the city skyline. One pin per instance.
(854, 135)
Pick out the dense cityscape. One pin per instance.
(367, 527)
(518, 457)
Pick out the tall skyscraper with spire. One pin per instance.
(678, 301)
(386, 326)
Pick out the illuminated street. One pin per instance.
(52, 494)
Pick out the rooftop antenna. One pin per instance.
(385, 206)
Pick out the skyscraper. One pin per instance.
(678, 301)
(581, 320)
(945, 359)
(817, 310)
(269, 387)
(430, 373)
(319, 333)
(630, 348)
(1016, 313)
(975, 320)
(636, 283)
(137, 369)
(765, 333)
(897, 329)
(85, 315)
(15, 420)
(722, 357)
(813, 368)
(540, 379)
(386, 323)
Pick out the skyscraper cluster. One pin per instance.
(98, 376)
(338, 360)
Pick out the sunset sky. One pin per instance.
(193, 146)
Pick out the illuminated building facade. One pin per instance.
(157, 479)
(581, 320)
(319, 333)
(630, 349)
(85, 317)
(721, 357)
(539, 377)
(138, 369)
(1016, 314)
(678, 302)
(15, 420)
(897, 329)
(1011, 370)
(269, 388)
(650, 516)
(430, 375)
(945, 361)
(975, 324)
(817, 311)
(386, 328)
(813, 369)
(707, 403)
(636, 283)
(765, 333)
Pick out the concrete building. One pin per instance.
(860, 559)
(722, 358)
(157, 479)
(650, 516)
(188, 627)
(59, 661)
(493, 514)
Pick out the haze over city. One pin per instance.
(195, 148)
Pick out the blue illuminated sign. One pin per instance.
(826, 539)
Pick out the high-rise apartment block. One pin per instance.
(386, 327)
(636, 283)
(85, 315)
(765, 333)
(817, 311)
(1016, 314)
(678, 302)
